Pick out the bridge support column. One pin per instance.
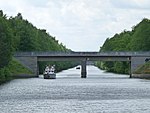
(83, 69)
(130, 72)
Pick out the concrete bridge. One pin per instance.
(31, 59)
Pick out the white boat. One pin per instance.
(49, 72)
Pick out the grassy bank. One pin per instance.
(14, 68)
(17, 68)
(145, 69)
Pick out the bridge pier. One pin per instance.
(130, 72)
(83, 69)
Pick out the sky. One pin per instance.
(81, 25)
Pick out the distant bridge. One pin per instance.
(30, 59)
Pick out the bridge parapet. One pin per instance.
(48, 53)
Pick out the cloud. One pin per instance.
(37, 3)
(131, 4)
(82, 25)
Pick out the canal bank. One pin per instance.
(13, 70)
(141, 76)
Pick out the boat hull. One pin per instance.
(50, 76)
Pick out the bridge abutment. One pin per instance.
(136, 62)
(30, 63)
(83, 69)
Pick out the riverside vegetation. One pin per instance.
(17, 34)
(138, 39)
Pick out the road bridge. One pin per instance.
(31, 59)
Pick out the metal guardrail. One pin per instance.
(112, 53)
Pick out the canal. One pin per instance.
(100, 92)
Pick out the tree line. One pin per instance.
(18, 34)
(138, 39)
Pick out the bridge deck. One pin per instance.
(94, 54)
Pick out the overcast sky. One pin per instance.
(81, 25)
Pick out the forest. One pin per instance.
(138, 39)
(18, 34)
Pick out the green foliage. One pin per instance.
(5, 42)
(136, 40)
(29, 38)
(2, 75)
(5, 75)
(141, 37)
(16, 68)
(17, 34)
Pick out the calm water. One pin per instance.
(99, 93)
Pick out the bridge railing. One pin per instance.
(111, 53)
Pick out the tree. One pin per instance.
(5, 43)
(2, 14)
(136, 40)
